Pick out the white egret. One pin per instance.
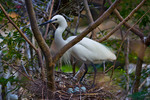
(87, 50)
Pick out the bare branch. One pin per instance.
(3, 25)
(141, 85)
(50, 15)
(44, 47)
(28, 77)
(22, 34)
(37, 34)
(125, 20)
(93, 35)
(79, 14)
(123, 39)
(134, 30)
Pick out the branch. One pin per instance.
(134, 30)
(44, 47)
(141, 85)
(123, 39)
(21, 33)
(79, 14)
(86, 31)
(3, 25)
(28, 77)
(50, 15)
(88, 11)
(93, 35)
(125, 20)
(37, 34)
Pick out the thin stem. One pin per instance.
(121, 23)
(50, 15)
(123, 42)
(134, 30)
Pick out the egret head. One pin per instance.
(59, 19)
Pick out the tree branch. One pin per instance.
(93, 35)
(134, 30)
(86, 31)
(50, 15)
(41, 42)
(13, 66)
(123, 21)
(44, 47)
(21, 33)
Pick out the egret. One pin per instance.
(87, 50)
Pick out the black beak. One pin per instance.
(50, 21)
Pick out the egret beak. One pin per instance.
(50, 21)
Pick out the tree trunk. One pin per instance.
(139, 68)
(44, 47)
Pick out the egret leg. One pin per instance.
(95, 71)
(86, 69)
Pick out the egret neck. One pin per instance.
(58, 34)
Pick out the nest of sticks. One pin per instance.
(64, 81)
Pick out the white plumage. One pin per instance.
(87, 50)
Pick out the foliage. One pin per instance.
(13, 45)
(143, 95)
(11, 79)
(127, 6)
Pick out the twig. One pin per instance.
(3, 25)
(125, 20)
(134, 30)
(50, 15)
(142, 83)
(11, 65)
(124, 40)
(93, 35)
(77, 23)
(40, 61)
(25, 69)
(22, 34)
(68, 4)
(43, 45)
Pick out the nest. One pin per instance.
(64, 81)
